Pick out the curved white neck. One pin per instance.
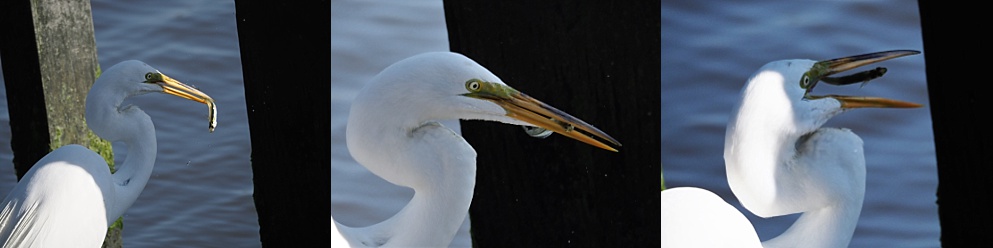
(133, 174)
(430, 158)
(827, 227)
(432, 217)
(760, 167)
(780, 161)
(829, 195)
(130, 125)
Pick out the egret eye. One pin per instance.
(472, 85)
(148, 76)
(804, 81)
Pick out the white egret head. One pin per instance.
(394, 131)
(131, 78)
(776, 110)
(444, 86)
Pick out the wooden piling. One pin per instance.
(286, 60)
(49, 62)
(600, 62)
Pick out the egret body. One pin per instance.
(393, 131)
(69, 197)
(779, 161)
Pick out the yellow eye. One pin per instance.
(473, 85)
(805, 81)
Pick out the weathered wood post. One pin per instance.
(956, 64)
(599, 61)
(49, 62)
(286, 59)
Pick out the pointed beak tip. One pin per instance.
(539, 114)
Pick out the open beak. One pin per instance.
(525, 108)
(850, 102)
(822, 70)
(176, 88)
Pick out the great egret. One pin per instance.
(69, 197)
(780, 161)
(393, 131)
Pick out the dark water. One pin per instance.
(200, 193)
(710, 48)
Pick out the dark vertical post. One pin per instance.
(26, 96)
(286, 59)
(50, 63)
(599, 61)
(956, 66)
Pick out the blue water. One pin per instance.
(710, 48)
(200, 192)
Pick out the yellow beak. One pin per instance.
(823, 69)
(525, 108)
(176, 88)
